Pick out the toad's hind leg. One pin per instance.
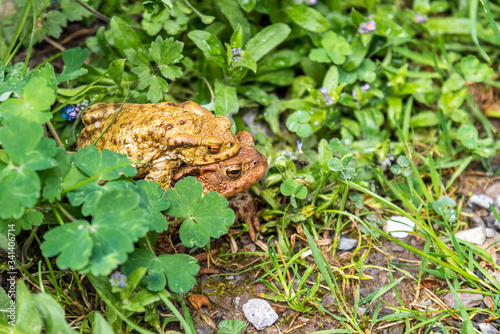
(162, 171)
(101, 111)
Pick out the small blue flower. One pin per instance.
(299, 146)
(365, 87)
(72, 111)
(328, 99)
(237, 54)
(118, 279)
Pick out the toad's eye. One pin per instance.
(233, 172)
(213, 149)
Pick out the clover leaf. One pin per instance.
(336, 46)
(153, 200)
(293, 189)
(37, 97)
(298, 122)
(28, 151)
(346, 165)
(100, 247)
(206, 216)
(474, 70)
(179, 270)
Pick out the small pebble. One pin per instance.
(347, 243)
(487, 328)
(259, 313)
(475, 235)
(481, 200)
(398, 226)
(467, 298)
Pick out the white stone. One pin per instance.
(347, 243)
(481, 200)
(474, 235)
(487, 328)
(398, 226)
(259, 313)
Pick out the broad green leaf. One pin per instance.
(52, 313)
(232, 11)
(279, 78)
(28, 318)
(210, 45)
(100, 325)
(255, 93)
(20, 189)
(115, 70)
(209, 215)
(179, 270)
(266, 40)
(72, 242)
(73, 61)
(90, 161)
(24, 143)
(153, 200)
(226, 99)
(247, 5)
(307, 17)
(117, 224)
(278, 60)
(123, 36)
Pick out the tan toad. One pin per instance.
(161, 135)
(232, 175)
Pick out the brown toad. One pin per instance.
(161, 135)
(232, 175)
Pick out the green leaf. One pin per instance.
(165, 53)
(117, 224)
(255, 93)
(335, 164)
(468, 135)
(287, 188)
(210, 45)
(279, 78)
(179, 270)
(38, 98)
(52, 313)
(123, 36)
(72, 242)
(24, 143)
(299, 122)
(278, 60)
(92, 162)
(336, 47)
(207, 216)
(307, 17)
(100, 325)
(247, 5)
(115, 70)
(231, 326)
(232, 11)
(226, 100)
(20, 189)
(73, 61)
(474, 70)
(28, 318)
(266, 40)
(153, 200)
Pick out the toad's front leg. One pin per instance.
(162, 171)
